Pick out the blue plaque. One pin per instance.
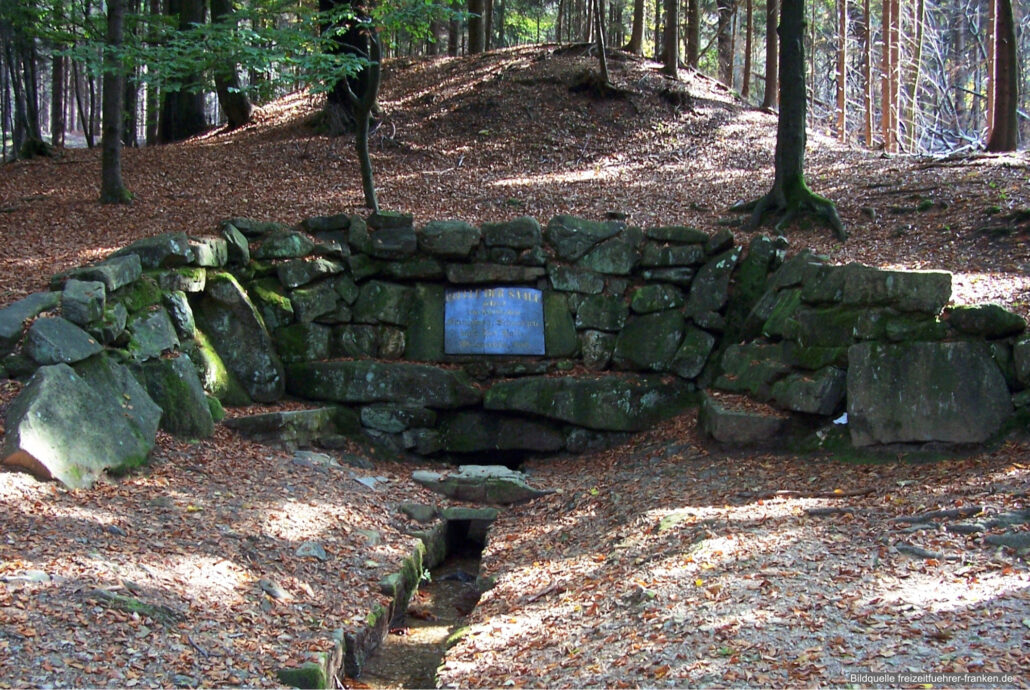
(494, 321)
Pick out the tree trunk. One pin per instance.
(914, 72)
(363, 107)
(772, 60)
(693, 33)
(130, 108)
(636, 37)
(234, 101)
(886, 105)
(57, 129)
(895, 72)
(182, 112)
(992, 53)
(657, 30)
(340, 116)
(725, 40)
(790, 194)
(488, 24)
(671, 39)
(476, 39)
(867, 71)
(1005, 132)
(112, 189)
(454, 31)
(601, 50)
(745, 87)
(842, 67)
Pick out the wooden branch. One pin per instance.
(804, 494)
(960, 513)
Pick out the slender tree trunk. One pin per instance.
(234, 101)
(914, 73)
(693, 33)
(112, 189)
(886, 105)
(867, 71)
(636, 37)
(476, 38)
(363, 107)
(657, 30)
(488, 24)
(992, 54)
(671, 39)
(601, 51)
(842, 67)
(499, 39)
(57, 101)
(745, 87)
(1005, 132)
(725, 40)
(895, 74)
(771, 55)
(454, 32)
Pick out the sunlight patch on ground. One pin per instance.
(294, 521)
(932, 592)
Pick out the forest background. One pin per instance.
(918, 76)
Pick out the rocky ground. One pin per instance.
(663, 562)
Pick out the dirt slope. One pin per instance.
(501, 135)
(744, 586)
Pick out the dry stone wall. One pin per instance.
(636, 323)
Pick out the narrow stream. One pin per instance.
(411, 654)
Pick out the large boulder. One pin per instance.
(174, 385)
(649, 342)
(918, 392)
(14, 316)
(52, 340)
(162, 251)
(366, 382)
(450, 239)
(607, 403)
(60, 427)
(116, 384)
(151, 333)
(521, 233)
(83, 301)
(573, 237)
(740, 425)
(710, 289)
(470, 432)
(481, 484)
(227, 316)
(297, 427)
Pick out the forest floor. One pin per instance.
(741, 585)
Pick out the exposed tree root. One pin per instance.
(801, 201)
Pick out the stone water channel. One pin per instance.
(411, 653)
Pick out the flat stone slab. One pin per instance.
(738, 425)
(481, 484)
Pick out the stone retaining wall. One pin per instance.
(350, 311)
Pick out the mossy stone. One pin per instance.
(271, 301)
(649, 342)
(138, 295)
(301, 342)
(383, 302)
(425, 332)
(986, 320)
(559, 328)
(602, 313)
(308, 675)
(652, 298)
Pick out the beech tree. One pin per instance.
(790, 195)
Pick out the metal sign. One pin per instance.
(494, 321)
